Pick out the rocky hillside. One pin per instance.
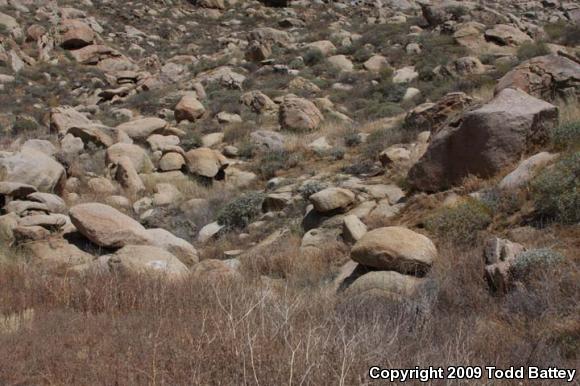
(268, 192)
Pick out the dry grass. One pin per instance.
(142, 330)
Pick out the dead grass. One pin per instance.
(101, 329)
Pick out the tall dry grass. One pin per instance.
(102, 329)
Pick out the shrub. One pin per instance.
(566, 136)
(530, 50)
(191, 141)
(352, 138)
(380, 139)
(24, 124)
(362, 167)
(460, 223)
(535, 259)
(311, 187)
(241, 211)
(313, 56)
(556, 191)
(276, 160)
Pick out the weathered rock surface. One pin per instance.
(484, 140)
(397, 249)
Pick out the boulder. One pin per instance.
(484, 140)
(54, 203)
(171, 161)
(267, 140)
(506, 35)
(396, 249)
(143, 128)
(380, 286)
(353, 229)
(182, 249)
(34, 168)
(376, 63)
(126, 174)
(16, 190)
(544, 77)
(57, 252)
(331, 199)
(500, 255)
(146, 259)
(206, 162)
(258, 102)
(526, 170)
(326, 47)
(340, 62)
(189, 108)
(214, 271)
(136, 154)
(212, 4)
(432, 116)
(75, 33)
(299, 114)
(106, 226)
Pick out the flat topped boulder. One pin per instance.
(485, 140)
(141, 129)
(381, 286)
(331, 199)
(206, 162)
(146, 259)
(396, 249)
(106, 226)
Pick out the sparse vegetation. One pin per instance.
(556, 191)
(461, 223)
(241, 211)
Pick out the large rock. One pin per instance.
(299, 114)
(183, 250)
(146, 259)
(484, 140)
(75, 34)
(432, 116)
(396, 249)
(500, 256)
(34, 168)
(526, 170)
(206, 162)
(545, 77)
(506, 35)
(189, 108)
(136, 154)
(381, 286)
(141, 129)
(106, 226)
(331, 199)
(258, 102)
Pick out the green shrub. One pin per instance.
(566, 136)
(533, 259)
(24, 124)
(380, 139)
(276, 160)
(556, 191)
(191, 141)
(460, 223)
(352, 138)
(311, 187)
(241, 211)
(530, 50)
(360, 168)
(337, 153)
(313, 56)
